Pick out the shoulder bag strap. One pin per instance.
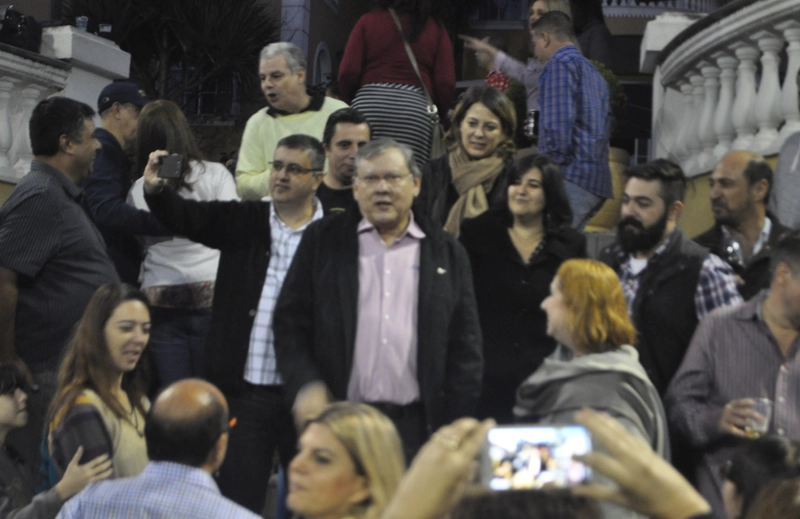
(431, 106)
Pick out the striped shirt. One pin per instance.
(48, 239)
(261, 367)
(716, 285)
(575, 120)
(733, 355)
(164, 490)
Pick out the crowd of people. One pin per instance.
(350, 306)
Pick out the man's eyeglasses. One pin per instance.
(291, 168)
(373, 180)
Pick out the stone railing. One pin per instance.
(71, 63)
(644, 8)
(725, 83)
(25, 79)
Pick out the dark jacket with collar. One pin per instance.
(241, 231)
(509, 293)
(756, 274)
(106, 191)
(437, 194)
(664, 312)
(316, 315)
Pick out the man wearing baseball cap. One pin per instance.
(107, 187)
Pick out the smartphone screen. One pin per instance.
(170, 166)
(534, 456)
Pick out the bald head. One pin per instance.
(739, 187)
(185, 423)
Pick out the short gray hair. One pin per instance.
(295, 59)
(380, 146)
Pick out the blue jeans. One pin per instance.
(585, 204)
(178, 342)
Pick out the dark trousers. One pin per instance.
(409, 420)
(178, 342)
(263, 425)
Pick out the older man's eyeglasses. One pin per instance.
(391, 179)
(291, 168)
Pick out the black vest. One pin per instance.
(664, 311)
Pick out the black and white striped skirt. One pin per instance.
(399, 112)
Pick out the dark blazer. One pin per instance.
(241, 231)
(437, 194)
(316, 314)
(509, 294)
(756, 274)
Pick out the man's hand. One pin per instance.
(152, 183)
(76, 477)
(735, 416)
(646, 483)
(310, 402)
(436, 479)
(485, 54)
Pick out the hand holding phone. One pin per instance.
(534, 456)
(170, 166)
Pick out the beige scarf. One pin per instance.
(472, 179)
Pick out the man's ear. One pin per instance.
(301, 75)
(759, 190)
(675, 210)
(65, 144)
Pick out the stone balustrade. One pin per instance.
(72, 63)
(727, 82)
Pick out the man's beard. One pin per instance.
(644, 238)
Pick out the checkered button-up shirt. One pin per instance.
(164, 490)
(575, 120)
(261, 367)
(716, 285)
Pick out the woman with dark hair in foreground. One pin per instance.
(515, 250)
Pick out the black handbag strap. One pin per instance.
(431, 106)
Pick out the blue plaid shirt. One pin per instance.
(163, 491)
(575, 120)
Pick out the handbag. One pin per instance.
(438, 148)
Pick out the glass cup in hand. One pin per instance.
(758, 424)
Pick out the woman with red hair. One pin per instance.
(594, 364)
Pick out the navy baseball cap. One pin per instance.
(121, 93)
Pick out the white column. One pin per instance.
(681, 149)
(768, 101)
(723, 124)
(693, 144)
(744, 118)
(789, 106)
(708, 137)
(22, 141)
(6, 170)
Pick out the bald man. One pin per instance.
(744, 232)
(187, 436)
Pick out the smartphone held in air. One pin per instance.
(170, 166)
(534, 456)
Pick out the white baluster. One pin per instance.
(723, 125)
(693, 145)
(22, 140)
(708, 137)
(681, 149)
(768, 101)
(789, 106)
(6, 170)
(744, 119)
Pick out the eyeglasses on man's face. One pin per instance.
(392, 179)
(291, 168)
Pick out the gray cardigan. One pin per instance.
(17, 500)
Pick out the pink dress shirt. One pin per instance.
(385, 354)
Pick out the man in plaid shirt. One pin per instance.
(669, 281)
(575, 118)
